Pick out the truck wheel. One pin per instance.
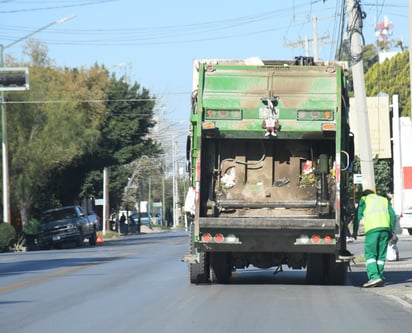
(93, 239)
(337, 271)
(221, 270)
(199, 272)
(315, 269)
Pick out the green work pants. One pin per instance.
(376, 245)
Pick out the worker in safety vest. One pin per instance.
(378, 221)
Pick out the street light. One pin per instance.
(6, 195)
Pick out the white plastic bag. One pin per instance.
(393, 253)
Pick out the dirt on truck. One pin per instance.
(268, 155)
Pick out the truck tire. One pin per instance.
(316, 268)
(337, 271)
(221, 270)
(199, 272)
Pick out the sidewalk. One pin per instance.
(399, 275)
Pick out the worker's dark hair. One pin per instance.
(367, 192)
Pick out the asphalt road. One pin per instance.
(139, 284)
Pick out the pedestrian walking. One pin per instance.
(379, 222)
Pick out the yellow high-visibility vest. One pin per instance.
(376, 213)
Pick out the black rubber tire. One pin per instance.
(337, 271)
(315, 268)
(221, 269)
(199, 272)
(410, 231)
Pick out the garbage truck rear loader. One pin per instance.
(268, 154)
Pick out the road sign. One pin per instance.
(14, 78)
(357, 178)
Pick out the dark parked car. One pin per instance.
(145, 218)
(66, 224)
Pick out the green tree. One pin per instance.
(56, 123)
(369, 54)
(391, 77)
(71, 124)
(369, 57)
(383, 176)
(124, 138)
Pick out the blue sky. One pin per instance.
(156, 41)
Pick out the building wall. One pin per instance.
(379, 126)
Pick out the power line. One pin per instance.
(64, 101)
(60, 6)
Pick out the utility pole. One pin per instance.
(106, 201)
(362, 119)
(175, 197)
(315, 41)
(163, 196)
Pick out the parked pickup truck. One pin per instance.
(67, 224)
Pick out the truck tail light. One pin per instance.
(206, 237)
(315, 239)
(327, 239)
(219, 238)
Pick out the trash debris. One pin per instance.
(282, 182)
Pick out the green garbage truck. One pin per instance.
(269, 154)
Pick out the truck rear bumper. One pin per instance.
(280, 223)
(263, 234)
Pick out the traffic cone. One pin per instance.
(99, 239)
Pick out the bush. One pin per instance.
(7, 236)
(30, 231)
(32, 227)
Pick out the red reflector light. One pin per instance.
(315, 239)
(328, 239)
(207, 237)
(219, 238)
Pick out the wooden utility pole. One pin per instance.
(362, 119)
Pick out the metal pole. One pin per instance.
(6, 194)
(5, 169)
(5, 160)
(397, 165)
(106, 207)
(174, 184)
